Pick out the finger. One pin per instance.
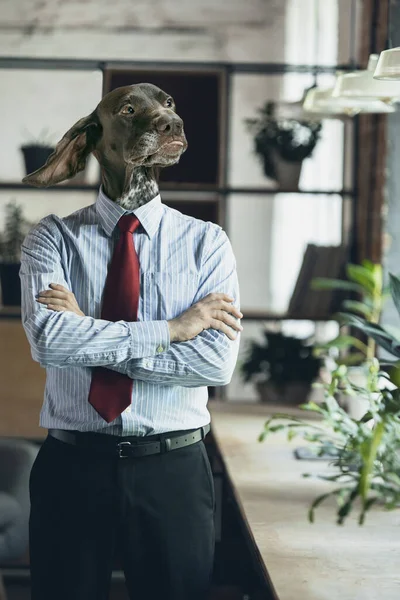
(57, 307)
(54, 294)
(58, 286)
(57, 301)
(215, 296)
(216, 324)
(231, 309)
(229, 320)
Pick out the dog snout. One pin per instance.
(169, 124)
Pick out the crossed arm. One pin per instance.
(61, 336)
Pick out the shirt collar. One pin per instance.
(109, 213)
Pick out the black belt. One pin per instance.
(129, 447)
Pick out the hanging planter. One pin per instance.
(282, 144)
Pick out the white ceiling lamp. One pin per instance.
(388, 67)
(361, 84)
(321, 101)
(317, 102)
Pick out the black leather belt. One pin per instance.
(127, 446)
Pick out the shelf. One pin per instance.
(254, 315)
(17, 62)
(10, 312)
(179, 188)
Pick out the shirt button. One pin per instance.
(128, 409)
(160, 349)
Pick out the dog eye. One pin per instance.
(169, 102)
(127, 110)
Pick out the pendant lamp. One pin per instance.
(388, 67)
(361, 84)
(321, 101)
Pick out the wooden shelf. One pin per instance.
(10, 312)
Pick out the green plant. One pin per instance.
(366, 451)
(292, 139)
(280, 360)
(15, 229)
(366, 280)
(43, 140)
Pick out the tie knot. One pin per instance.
(128, 223)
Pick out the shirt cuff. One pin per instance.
(149, 338)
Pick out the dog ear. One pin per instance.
(70, 154)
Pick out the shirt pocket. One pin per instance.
(166, 295)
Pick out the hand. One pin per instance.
(59, 299)
(214, 311)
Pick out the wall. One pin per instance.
(392, 226)
(190, 30)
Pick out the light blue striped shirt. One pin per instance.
(182, 259)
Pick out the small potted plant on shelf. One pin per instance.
(283, 368)
(282, 144)
(365, 452)
(15, 229)
(37, 151)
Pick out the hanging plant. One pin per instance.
(293, 140)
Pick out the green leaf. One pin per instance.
(395, 290)
(317, 502)
(344, 341)
(355, 358)
(321, 283)
(358, 307)
(345, 509)
(375, 331)
(363, 276)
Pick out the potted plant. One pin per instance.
(366, 451)
(283, 368)
(282, 144)
(15, 230)
(366, 281)
(38, 150)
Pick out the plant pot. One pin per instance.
(287, 173)
(35, 157)
(10, 284)
(291, 394)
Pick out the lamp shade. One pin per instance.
(388, 67)
(321, 101)
(361, 84)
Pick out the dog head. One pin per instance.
(132, 126)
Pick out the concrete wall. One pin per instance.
(184, 30)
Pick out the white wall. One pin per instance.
(175, 30)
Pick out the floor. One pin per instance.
(21, 592)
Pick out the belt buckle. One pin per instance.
(121, 449)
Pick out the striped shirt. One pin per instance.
(182, 259)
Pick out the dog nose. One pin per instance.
(169, 123)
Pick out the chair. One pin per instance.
(16, 459)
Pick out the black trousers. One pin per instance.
(155, 513)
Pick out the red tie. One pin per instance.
(110, 392)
